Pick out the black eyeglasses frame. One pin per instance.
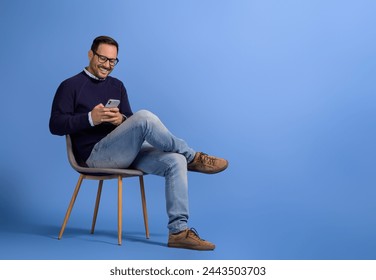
(103, 59)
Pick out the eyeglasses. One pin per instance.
(103, 59)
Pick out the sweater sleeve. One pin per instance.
(64, 120)
(125, 107)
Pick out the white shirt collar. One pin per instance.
(92, 76)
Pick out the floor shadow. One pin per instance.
(100, 236)
(140, 237)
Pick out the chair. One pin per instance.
(102, 174)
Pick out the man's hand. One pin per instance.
(101, 114)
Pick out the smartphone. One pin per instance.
(112, 103)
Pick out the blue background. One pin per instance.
(285, 90)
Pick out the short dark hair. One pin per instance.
(103, 40)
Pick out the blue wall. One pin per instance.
(284, 89)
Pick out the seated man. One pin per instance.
(114, 137)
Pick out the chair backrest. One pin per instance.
(71, 157)
(97, 171)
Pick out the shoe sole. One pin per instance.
(210, 172)
(198, 248)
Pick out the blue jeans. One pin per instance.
(143, 142)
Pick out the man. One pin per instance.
(116, 138)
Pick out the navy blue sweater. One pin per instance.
(74, 99)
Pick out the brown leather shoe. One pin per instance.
(189, 239)
(207, 164)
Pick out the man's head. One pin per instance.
(103, 56)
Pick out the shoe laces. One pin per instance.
(206, 159)
(192, 232)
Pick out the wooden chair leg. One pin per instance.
(97, 201)
(69, 210)
(120, 208)
(144, 208)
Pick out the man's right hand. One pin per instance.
(101, 114)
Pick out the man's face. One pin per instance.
(96, 65)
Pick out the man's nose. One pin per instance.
(107, 64)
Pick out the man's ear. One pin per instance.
(90, 54)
